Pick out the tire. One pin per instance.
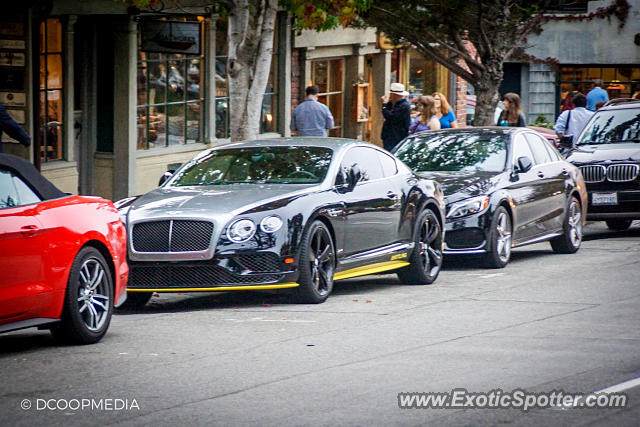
(317, 265)
(88, 301)
(426, 258)
(618, 224)
(500, 238)
(571, 238)
(136, 300)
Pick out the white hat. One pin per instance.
(398, 89)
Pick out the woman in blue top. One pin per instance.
(444, 112)
(427, 120)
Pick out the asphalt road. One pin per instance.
(546, 322)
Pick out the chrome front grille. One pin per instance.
(622, 173)
(172, 236)
(593, 174)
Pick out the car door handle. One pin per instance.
(392, 195)
(565, 171)
(540, 174)
(29, 230)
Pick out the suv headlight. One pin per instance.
(468, 207)
(241, 230)
(271, 224)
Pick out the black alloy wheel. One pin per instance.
(317, 265)
(426, 258)
(619, 224)
(571, 237)
(500, 238)
(136, 300)
(88, 301)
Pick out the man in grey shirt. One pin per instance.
(311, 118)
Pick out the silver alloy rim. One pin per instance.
(93, 302)
(321, 260)
(431, 247)
(503, 242)
(575, 224)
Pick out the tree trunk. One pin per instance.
(251, 28)
(487, 96)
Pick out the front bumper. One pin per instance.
(628, 206)
(249, 270)
(467, 235)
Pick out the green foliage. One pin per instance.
(322, 15)
(542, 121)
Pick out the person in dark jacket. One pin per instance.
(397, 116)
(12, 128)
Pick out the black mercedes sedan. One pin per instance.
(294, 213)
(504, 187)
(608, 154)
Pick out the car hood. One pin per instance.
(462, 185)
(211, 201)
(600, 153)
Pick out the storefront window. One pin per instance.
(417, 73)
(51, 89)
(619, 82)
(328, 75)
(171, 95)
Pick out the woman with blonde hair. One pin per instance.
(428, 119)
(445, 112)
(512, 113)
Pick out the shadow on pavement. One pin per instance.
(25, 340)
(592, 233)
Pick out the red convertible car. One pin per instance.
(62, 257)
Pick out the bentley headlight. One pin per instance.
(241, 230)
(271, 224)
(468, 207)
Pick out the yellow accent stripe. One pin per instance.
(220, 288)
(370, 269)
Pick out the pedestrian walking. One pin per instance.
(512, 114)
(428, 118)
(12, 128)
(445, 112)
(571, 122)
(397, 116)
(596, 95)
(310, 117)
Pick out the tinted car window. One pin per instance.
(455, 151)
(281, 165)
(540, 153)
(521, 149)
(389, 167)
(366, 159)
(8, 192)
(555, 156)
(14, 192)
(25, 194)
(612, 126)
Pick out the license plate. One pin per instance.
(604, 199)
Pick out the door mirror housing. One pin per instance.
(165, 176)
(523, 164)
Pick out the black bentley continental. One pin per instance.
(504, 187)
(294, 213)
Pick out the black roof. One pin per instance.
(28, 173)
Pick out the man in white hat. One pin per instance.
(397, 116)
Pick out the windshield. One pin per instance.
(455, 151)
(263, 165)
(611, 127)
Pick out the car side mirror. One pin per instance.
(165, 176)
(565, 143)
(354, 176)
(523, 164)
